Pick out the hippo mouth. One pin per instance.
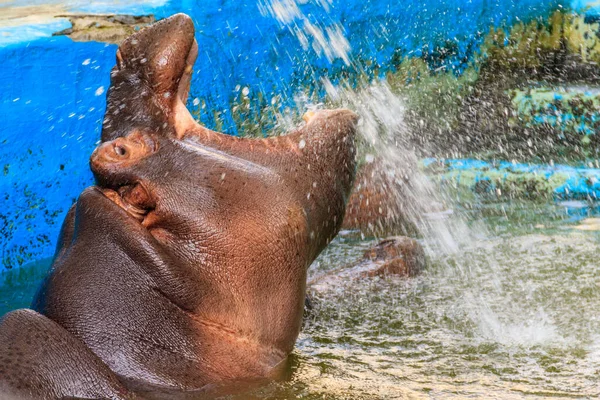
(151, 80)
(178, 49)
(134, 200)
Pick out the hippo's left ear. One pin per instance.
(150, 83)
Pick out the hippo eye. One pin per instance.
(120, 151)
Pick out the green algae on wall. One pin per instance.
(524, 95)
(529, 94)
(495, 185)
(573, 109)
(474, 180)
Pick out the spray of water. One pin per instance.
(445, 233)
(324, 39)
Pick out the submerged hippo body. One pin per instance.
(185, 268)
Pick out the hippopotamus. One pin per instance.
(184, 269)
(399, 256)
(377, 205)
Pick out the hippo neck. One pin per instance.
(264, 356)
(262, 307)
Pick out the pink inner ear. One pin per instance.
(186, 79)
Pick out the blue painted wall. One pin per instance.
(53, 90)
(562, 182)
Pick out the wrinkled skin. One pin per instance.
(185, 268)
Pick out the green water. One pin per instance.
(17, 287)
(513, 313)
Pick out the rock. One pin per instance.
(398, 255)
(104, 28)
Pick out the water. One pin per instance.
(511, 315)
(19, 285)
(515, 318)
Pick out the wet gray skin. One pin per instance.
(513, 317)
(184, 269)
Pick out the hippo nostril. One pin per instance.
(120, 151)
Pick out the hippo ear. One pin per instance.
(150, 83)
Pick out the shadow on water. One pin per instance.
(20, 285)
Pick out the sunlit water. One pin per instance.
(512, 314)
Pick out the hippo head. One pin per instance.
(291, 188)
(244, 217)
(156, 161)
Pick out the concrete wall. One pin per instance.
(53, 90)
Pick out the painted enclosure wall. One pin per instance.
(53, 89)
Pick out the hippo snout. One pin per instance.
(340, 114)
(123, 151)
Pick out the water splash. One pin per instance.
(494, 309)
(536, 329)
(327, 40)
(386, 144)
(447, 234)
